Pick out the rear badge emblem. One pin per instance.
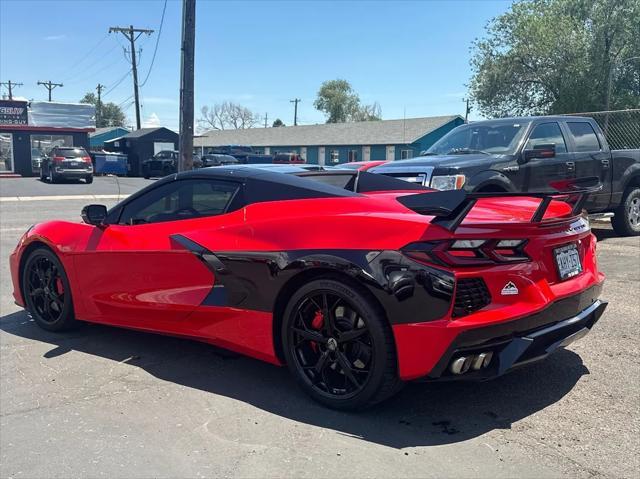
(509, 289)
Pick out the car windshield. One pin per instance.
(496, 138)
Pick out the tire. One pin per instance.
(88, 180)
(146, 177)
(46, 291)
(316, 354)
(43, 177)
(626, 221)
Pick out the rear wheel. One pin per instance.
(89, 179)
(339, 346)
(46, 291)
(626, 221)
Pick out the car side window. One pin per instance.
(179, 200)
(547, 134)
(584, 136)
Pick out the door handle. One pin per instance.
(605, 164)
(571, 166)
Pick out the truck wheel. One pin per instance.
(626, 221)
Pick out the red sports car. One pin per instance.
(361, 165)
(357, 282)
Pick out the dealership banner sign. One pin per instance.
(13, 112)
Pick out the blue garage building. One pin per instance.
(333, 143)
(98, 137)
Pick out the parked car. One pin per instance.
(165, 163)
(278, 267)
(36, 159)
(531, 154)
(218, 160)
(66, 163)
(360, 165)
(288, 158)
(243, 153)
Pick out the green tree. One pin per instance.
(556, 56)
(107, 114)
(340, 103)
(277, 123)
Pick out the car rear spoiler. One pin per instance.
(451, 207)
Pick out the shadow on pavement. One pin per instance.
(604, 232)
(420, 415)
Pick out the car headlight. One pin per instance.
(448, 182)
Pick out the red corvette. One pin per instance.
(357, 282)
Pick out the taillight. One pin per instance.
(469, 252)
(58, 159)
(86, 159)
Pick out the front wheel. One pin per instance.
(339, 346)
(626, 221)
(46, 291)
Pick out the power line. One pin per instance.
(9, 84)
(84, 57)
(117, 83)
(97, 62)
(155, 50)
(50, 86)
(132, 34)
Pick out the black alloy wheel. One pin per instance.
(339, 346)
(46, 291)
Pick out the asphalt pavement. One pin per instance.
(107, 402)
(30, 187)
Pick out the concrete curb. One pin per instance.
(8, 199)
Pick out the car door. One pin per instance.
(591, 160)
(539, 174)
(133, 273)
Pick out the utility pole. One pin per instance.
(99, 89)
(266, 119)
(186, 84)
(132, 34)
(49, 86)
(295, 111)
(467, 110)
(9, 84)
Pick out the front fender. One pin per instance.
(489, 178)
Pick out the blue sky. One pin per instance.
(408, 56)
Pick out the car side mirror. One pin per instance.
(94, 214)
(540, 151)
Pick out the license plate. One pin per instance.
(568, 261)
(74, 163)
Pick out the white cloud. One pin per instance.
(54, 37)
(152, 121)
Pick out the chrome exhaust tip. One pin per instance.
(461, 365)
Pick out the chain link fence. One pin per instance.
(620, 127)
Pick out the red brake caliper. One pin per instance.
(59, 286)
(317, 323)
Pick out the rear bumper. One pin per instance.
(73, 173)
(426, 350)
(515, 349)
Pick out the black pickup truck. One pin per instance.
(531, 154)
